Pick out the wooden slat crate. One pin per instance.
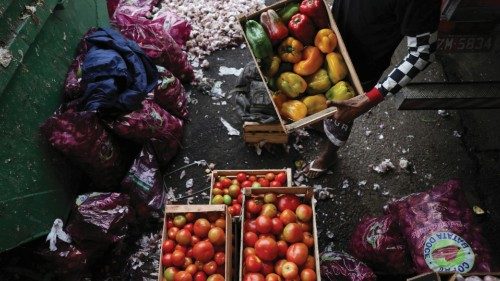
(270, 133)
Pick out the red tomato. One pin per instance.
(287, 216)
(253, 206)
(263, 182)
(200, 276)
(203, 251)
(190, 217)
(210, 268)
(189, 227)
(183, 237)
(273, 277)
(250, 225)
(171, 232)
(289, 270)
(253, 277)
(231, 211)
(275, 184)
(282, 248)
(226, 182)
(308, 239)
(215, 277)
(279, 266)
(199, 265)
(192, 269)
(216, 236)
(297, 253)
(220, 258)
(252, 178)
(293, 233)
(178, 258)
(180, 248)
(264, 224)
(237, 209)
(282, 178)
(269, 210)
(168, 246)
(310, 263)
(166, 260)
(220, 223)
(240, 198)
(170, 223)
(218, 185)
(189, 253)
(305, 226)
(246, 183)
(270, 176)
(304, 213)
(183, 276)
(241, 177)
(194, 240)
(187, 262)
(267, 267)
(288, 201)
(201, 228)
(266, 249)
(249, 238)
(308, 275)
(277, 226)
(253, 263)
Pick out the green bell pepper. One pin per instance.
(341, 91)
(257, 37)
(288, 11)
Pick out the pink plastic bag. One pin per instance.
(339, 266)
(81, 137)
(170, 94)
(144, 183)
(176, 26)
(136, 8)
(378, 242)
(440, 231)
(149, 122)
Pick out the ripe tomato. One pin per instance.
(199, 265)
(277, 226)
(253, 263)
(288, 201)
(226, 182)
(201, 228)
(187, 262)
(220, 258)
(267, 267)
(308, 275)
(178, 258)
(250, 225)
(171, 232)
(189, 253)
(237, 209)
(254, 206)
(282, 248)
(270, 176)
(279, 266)
(217, 191)
(246, 184)
(192, 269)
(215, 277)
(263, 182)
(241, 177)
(252, 178)
(293, 233)
(275, 184)
(264, 224)
(231, 211)
(304, 213)
(308, 239)
(240, 198)
(183, 237)
(168, 246)
(248, 251)
(213, 216)
(297, 253)
(269, 210)
(180, 221)
(218, 185)
(289, 270)
(169, 273)
(310, 263)
(273, 277)
(200, 276)
(183, 276)
(220, 223)
(287, 216)
(281, 177)
(203, 251)
(170, 223)
(166, 260)
(253, 277)
(210, 268)
(270, 198)
(249, 238)
(305, 226)
(190, 217)
(216, 236)
(266, 249)
(194, 240)
(180, 248)
(189, 227)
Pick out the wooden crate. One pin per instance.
(270, 133)
(352, 77)
(171, 210)
(307, 194)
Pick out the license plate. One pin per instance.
(465, 43)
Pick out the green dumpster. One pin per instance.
(38, 39)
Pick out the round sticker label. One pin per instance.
(446, 251)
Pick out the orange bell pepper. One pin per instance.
(290, 50)
(326, 40)
(279, 98)
(312, 61)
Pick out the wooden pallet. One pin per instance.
(270, 133)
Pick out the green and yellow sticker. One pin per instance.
(448, 252)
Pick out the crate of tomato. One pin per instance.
(196, 243)
(279, 239)
(227, 185)
(302, 58)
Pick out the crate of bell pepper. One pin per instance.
(279, 237)
(302, 58)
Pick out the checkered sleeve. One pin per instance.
(421, 50)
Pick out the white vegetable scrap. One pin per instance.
(186, 160)
(183, 173)
(323, 192)
(457, 134)
(403, 163)
(428, 176)
(230, 129)
(443, 113)
(224, 70)
(376, 186)
(345, 184)
(5, 57)
(368, 133)
(362, 183)
(380, 137)
(216, 91)
(57, 232)
(384, 166)
(170, 195)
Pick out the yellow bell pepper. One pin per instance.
(312, 60)
(294, 110)
(291, 84)
(271, 65)
(340, 91)
(318, 83)
(290, 50)
(279, 98)
(336, 67)
(315, 103)
(325, 40)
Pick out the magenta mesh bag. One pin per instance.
(170, 94)
(440, 232)
(176, 26)
(339, 266)
(156, 42)
(149, 122)
(135, 8)
(100, 217)
(73, 87)
(144, 183)
(165, 150)
(81, 137)
(378, 242)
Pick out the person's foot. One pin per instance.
(318, 167)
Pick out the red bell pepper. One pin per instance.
(302, 28)
(273, 25)
(316, 10)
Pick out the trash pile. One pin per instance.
(121, 122)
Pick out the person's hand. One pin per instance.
(348, 110)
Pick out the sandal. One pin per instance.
(311, 172)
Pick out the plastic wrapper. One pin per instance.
(339, 266)
(156, 42)
(136, 8)
(144, 183)
(378, 242)
(81, 137)
(176, 26)
(440, 232)
(100, 217)
(170, 94)
(149, 122)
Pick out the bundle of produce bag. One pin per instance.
(170, 94)
(339, 266)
